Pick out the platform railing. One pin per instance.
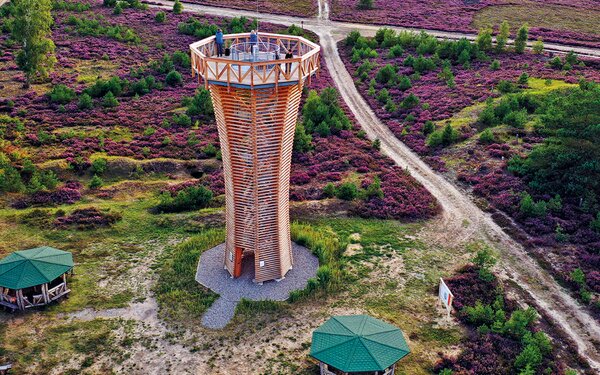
(230, 71)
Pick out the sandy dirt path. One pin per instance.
(461, 220)
(340, 29)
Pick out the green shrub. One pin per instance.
(374, 189)
(190, 198)
(200, 104)
(428, 127)
(329, 190)
(506, 87)
(487, 136)
(347, 191)
(85, 102)
(95, 183)
(181, 119)
(177, 7)
(61, 94)
(523, 78)
(404, 83)
(302, 140)
(595, 224)
(410, 101)
(174, 78)
(160, 17)
(99, 166)
(395, 51)
(109, 100)
(364, 4)
(495, 65)
(530, 208)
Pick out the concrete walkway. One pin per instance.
(211, 274)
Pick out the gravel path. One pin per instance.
(212, 275)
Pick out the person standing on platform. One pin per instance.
(219, 41)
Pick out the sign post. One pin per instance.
(446, 296)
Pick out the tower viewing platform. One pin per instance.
(255, 88)
(261, 64)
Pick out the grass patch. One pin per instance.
(179, 295)
(554, 17)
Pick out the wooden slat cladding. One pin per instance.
(256, 108)
(256, 131)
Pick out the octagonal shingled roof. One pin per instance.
(27, 268)
(358, 343)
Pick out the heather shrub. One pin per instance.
(87, 218)
(61, 94)
(190, 198)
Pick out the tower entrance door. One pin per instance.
(237, 262)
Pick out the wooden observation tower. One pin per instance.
(256, 92)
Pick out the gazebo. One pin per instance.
(34, 277)
(357, 344)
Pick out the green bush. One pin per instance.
(428, 127)
(530, 208)
(443, 137)
(181, 119)
(374, 189)
(595, 224)
(322, 113)
(347, 191)
(99, 166)
(61, 94)
(410, 101)
(190, 198)
(302, 140)
(395, 51)
(85, 102)
(329, 190)
(487, 136)
(177, 7)
(95, 183)
(495, 65)
(109, 100)
(200, 104)
(160, 17)
(174, 78)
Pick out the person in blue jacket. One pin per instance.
(253, 39)
(219, 41)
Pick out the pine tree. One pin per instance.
(177, 7)
(484, 39)
(31, 28)
(521, 39)
(502, 37)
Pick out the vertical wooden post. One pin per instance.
(45, 293)
(20, 301)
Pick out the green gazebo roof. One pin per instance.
(358, 343)
(26, 268)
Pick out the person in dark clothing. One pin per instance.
(288, 66)
(219, 41)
